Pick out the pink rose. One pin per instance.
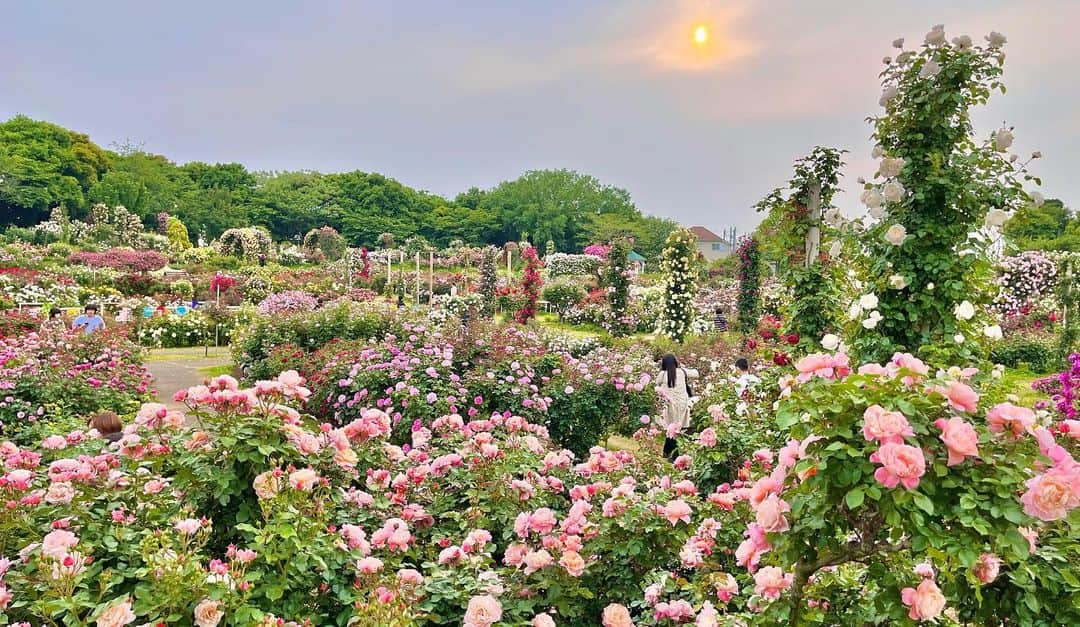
(1006, 417)
(770, 582)
(116, 615)
(483, 611)
(369, 565)
(537, 560)
(188, 526)
(770, 514)
(900, 464)
(924, 602)
(726, 588)
(986, 567)
(677, 510)
(267, 485)
(54, 442)
(543, 620)
(707, 437)
(885, 426)
(208, 613)
(515, 554)
(303, 479)
(573, 563)
(1051, 495)
(752, 548)
(960, 396)
(410, 576)
(57, 543)
(959, 437)
(677, 611)
(616, 615)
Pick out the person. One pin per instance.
(55, 322)
(108, 425)
(720, 321)
(743, 378)
(675, 389)
(262, 259)
(89, 321)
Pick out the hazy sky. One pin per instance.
(448, 95)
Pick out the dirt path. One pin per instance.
(179, 368)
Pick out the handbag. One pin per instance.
(686, 380)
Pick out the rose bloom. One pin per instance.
(483, 611)
(770, 582)
(616, 615)
(961, 397)
(1050, 496)
(116, 615)
(900, 464)
(986, 567)
(677, 510)
(543, 620)
(959, 437)
(925, 602)
(208, 613)
(537, 560)
(369, 565)
(60, 492)
(303, 479)
(267, 485)
(57, 543)
(770, 514)
(885, 426)
(410, 576)
(54, 442)
(1006, 417)
(188, 526)
(726, 588)
(573, 563)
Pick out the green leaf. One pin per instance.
(854, 498)
(923, 503)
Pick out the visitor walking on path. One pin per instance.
(89, 321)
(676, 392)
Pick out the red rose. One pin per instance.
(793, 338)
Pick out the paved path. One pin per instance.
(179, 368)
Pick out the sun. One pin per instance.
(701, 34)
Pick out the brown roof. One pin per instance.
(704, 235)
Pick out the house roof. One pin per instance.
(704, 235)
(635, 256)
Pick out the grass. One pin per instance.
(1019, 381)
(620, 443)
(187, 354)
(216, 371)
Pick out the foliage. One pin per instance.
(1038, 352)
(177, 234)
(247, 243)
(566, 264)
(489, 280)
(1043, 225)
(795, 232)
(617, 276)
(749, 276)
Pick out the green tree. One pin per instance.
(145, 183)
(43, 165)
(1048, 226)
(290, 204)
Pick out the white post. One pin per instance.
(418, 277)
(509, 263)
(389, 263)
(431, 276)
(813, 234)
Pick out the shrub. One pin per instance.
(563, 294)
(560, 264)
(1037, 351)
(288, 302)
(247, 243)
(122, 259)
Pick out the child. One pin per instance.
(90, 321)
(108, 425)
(720, 321)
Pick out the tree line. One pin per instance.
(43, 165)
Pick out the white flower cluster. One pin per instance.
(565, 264)
(866, 304)
(1029, 278)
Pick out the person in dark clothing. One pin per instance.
(720, 321)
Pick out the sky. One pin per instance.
(444, 96)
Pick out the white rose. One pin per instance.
(964, 311)
(855, 311)
(878, 152)
(868, 301)
(958, 338)
(893, 191)
(896, 235)
(996, 217)
(830, 341)
(886, 96)
(877, 213)
(899, 43)
(1036, 199)
(872, 198)
(891, 166)
(897, 281)
(930, 287)
(904, 56)
(996, 39)
(930, 69)
(832, 217)
(1003, 139)
(993, 332)
(936, 36)
(835, 249)
(962, 42)
(872, 321)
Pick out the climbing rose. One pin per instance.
(770, 514)
(303, 479)
(770, 582)
(961, 397)
(896, 234)
(925, 602)
(677, 510)
(900, 464)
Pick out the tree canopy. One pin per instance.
(43, 166)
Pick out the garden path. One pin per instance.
(179, 368)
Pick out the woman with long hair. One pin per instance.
(674, 389)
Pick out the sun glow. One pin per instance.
(701, 34)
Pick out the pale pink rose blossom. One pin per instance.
(208, 613)
(926, 602)
(616, 615)
(885, 426)
(959, 437)
(116, 615)
(986, 568)
(900, 464)
(483, 611)
(770, 582)
(770, 514)
(1009, 418)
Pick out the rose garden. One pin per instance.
(412, 434)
